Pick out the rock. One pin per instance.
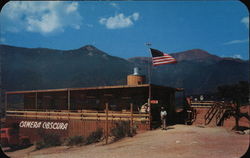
(200, 126)
(240, 132)
(247, 131)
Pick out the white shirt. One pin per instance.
(163, 113)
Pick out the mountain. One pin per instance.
(197, 71)
(196, 55)
(40, 68)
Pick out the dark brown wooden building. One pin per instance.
(80, 111)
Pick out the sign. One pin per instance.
(44, 125)
(154, 101)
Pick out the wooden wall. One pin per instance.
(75, 127)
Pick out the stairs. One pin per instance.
(219, 117)
(218, 112)
(211, 112)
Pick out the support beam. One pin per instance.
(36, 100)
(131, 119)
(106, 124)
(149, 104)
(68, 99)
(6, 102)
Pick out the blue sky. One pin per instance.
(122, 28)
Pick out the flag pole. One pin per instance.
(149, 86)
(149, 63)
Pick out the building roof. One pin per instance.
(90, 88)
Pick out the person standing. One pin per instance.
(144, 108)
(163, 118)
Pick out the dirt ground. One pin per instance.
(177, 141)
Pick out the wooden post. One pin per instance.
(6, 102)
(68, 100)
(36, 101)
(131, 121)
(149, 85)
(150, 108)
(106, 124)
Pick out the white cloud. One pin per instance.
(238, 56)
(2, 40)
(135, 16)
(115, 5)
(76, 26)
(119, 21)
(245, 21)
(47, 23)
(72, 7)
(41, 17)
(236, 42)
(90, 25)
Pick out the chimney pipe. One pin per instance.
(136, 71)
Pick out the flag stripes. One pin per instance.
(160, 58)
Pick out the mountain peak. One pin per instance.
(91, 50)
(198, 51)
(195, 54)
(88, 48)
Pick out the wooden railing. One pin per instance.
(202, 103)
(78, 115)
(211, 113)
(219, 115)
(218, 111)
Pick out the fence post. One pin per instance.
(106, 124)
(150, 117)
(36, 100)
(68, 99)
(131, 121)
(6, 103)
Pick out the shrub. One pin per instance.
(95, 136)
(49, 140)
(121, 130)
(75, 140)
(40, 145)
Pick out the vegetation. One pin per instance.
(239, 95)
(75, 140)
(95, 136)
(121, 130)
(48, 140)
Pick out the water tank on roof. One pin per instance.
(135, 78)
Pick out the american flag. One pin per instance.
(160, 58)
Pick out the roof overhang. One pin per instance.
(90, 88)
